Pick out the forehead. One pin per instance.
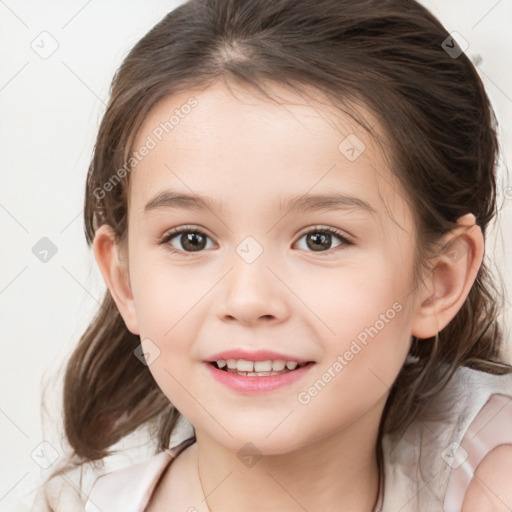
(243, 150)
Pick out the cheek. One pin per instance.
(167, 297)
(368, 335)
(170, 309)
(357, 373)
(356, 296)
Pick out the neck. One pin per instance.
(339, 472)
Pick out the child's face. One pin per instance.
(347, 304)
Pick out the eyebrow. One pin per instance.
(301, 203)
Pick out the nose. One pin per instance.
(253, 292)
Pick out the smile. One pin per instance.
(256, 382)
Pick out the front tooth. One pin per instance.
(291, 365)
(263, 366)
(231, 364)
(278, 365)
(244, 366)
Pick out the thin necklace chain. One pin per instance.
(378, 507)
(202, 488)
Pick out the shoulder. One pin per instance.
(490, 489)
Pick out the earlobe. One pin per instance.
(115, 275)
(447, 286)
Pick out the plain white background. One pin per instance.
(51, 106)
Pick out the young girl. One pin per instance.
(288, 202)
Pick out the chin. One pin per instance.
(257, 441)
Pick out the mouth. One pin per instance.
(289, 367)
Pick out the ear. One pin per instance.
(115, 274)
(446, 287)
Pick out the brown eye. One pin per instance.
(187, 240)
(321, 239)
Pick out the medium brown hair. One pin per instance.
(385, 54)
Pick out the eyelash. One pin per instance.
(190, 229)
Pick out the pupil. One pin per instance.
(324, 239)
(191, 238)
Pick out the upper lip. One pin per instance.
(258, 355)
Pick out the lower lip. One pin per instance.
(257, 384)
